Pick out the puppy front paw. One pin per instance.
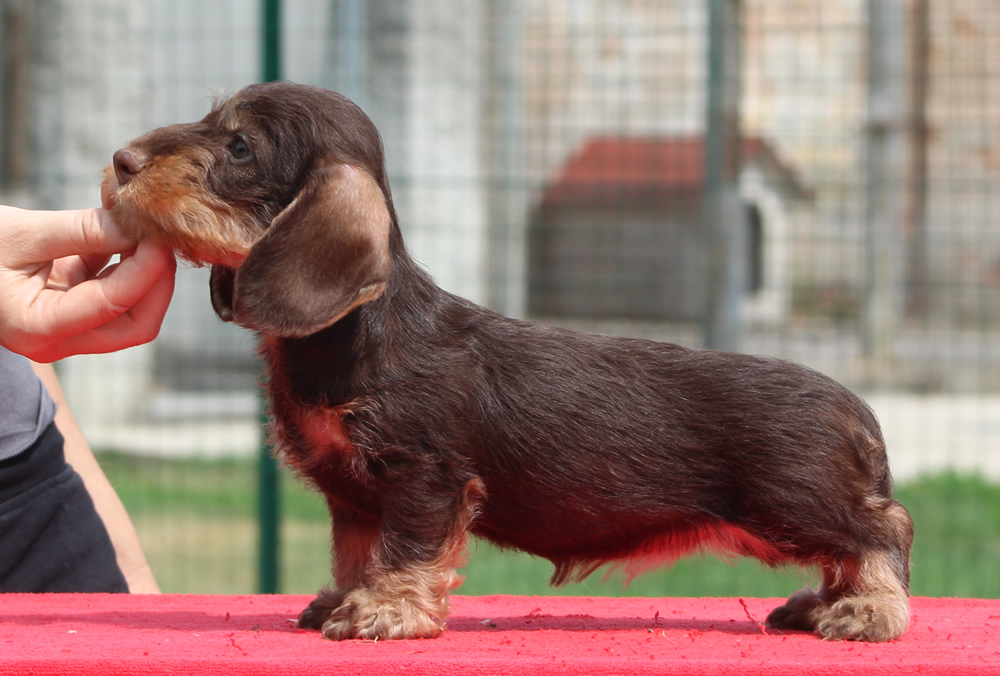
(368, 614)
(321, 608)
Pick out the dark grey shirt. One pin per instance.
(26, 408)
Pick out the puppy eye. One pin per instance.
(239, 148)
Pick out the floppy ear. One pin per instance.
(324, 255)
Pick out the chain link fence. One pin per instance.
(549, 159)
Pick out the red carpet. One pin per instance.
(101, 634)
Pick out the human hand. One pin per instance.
(56, 297)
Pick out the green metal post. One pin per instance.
(269, 506)
(271, 40)
(724, 226)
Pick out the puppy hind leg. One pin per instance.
(876, 609)
(863, 598)
(874, 604)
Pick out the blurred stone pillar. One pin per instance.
(723, 211)
(508, 193)
(422, 83)
(885, 172)
(90, 95)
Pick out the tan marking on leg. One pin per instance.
(877, 609)
(864, 599)
(411, 602)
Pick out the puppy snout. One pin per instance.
(128, 163)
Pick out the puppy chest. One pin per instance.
(316, 434)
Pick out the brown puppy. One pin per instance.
(423, 417)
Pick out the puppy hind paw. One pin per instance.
(864, 618)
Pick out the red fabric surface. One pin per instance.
(105, 634)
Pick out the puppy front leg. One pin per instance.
(355, 537)
(403, 591)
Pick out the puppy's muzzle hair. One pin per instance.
(423, 417)
(162, 198)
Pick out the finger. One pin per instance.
(95, 263)
(133, 277)
(138, 324)
(72, 270)
(145, 317)
(96, 302)
(47, 235)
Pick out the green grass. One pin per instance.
(196, 519)
(956, 546)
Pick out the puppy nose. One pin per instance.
(128, 163)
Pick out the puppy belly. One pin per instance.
(577, 551)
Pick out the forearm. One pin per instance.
(128, 549)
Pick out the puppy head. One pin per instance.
(282, 189)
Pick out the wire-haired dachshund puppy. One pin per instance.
(423, 417)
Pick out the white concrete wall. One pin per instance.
(444, 217)
(771, 303)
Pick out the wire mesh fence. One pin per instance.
(549, 159)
